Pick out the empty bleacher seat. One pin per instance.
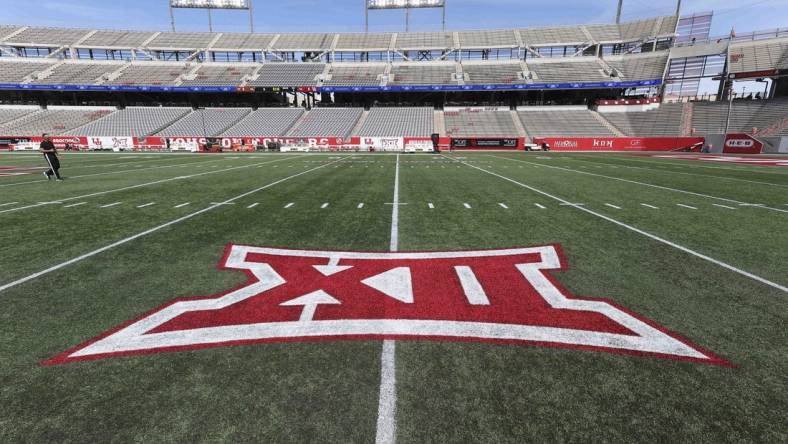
(398, 122)
(133, 121)
(328, 122)
(479, 123)
(288, 74)
(543, 122)
(273, 122)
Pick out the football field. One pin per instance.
(471, 297)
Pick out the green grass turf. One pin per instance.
(446, 391)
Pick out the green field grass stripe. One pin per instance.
(637, 230)
(152, 230)
(635, 182)
(147, 184)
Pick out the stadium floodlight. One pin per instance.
(238, 5)
(407, 5)
(404, 4)
(210, 4)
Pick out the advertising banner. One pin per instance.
(742, 144)
(619, 143)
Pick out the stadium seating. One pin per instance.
(422, 74)
(710, 117)
(304, 42)
(488, 39)
(219, 75)
(7, 114)
(424, 40)
(243, 41)
(205, 122)
(398, 122)
(553, 36)
(648, 66)
(54, 121)
(479, 123)
(133, 121)
(499, 73)
(759, 55)
(544, 122)
(145, 73)
(274, 122)
(116, 39)
(364, 74)
(364, 42)
(16, 72)
(328, 122)
(78, 73)
(288, 74)
(55, 37)
(181, 40)
(567, 70)
(664, 121)
(604, 33)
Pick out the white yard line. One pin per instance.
(149, 231)
(8, 203)
(103, 174)
(387, 401)
(100, 193)
(664, 170)
(641, 232)
(643, 184)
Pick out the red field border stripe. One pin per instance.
(100, 193)
(675, 190)
(636, 230)
(156, 228)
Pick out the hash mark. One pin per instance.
(253, 205)
(542, 207)
(503, 205)
(724, 206)
(324, 206)
(360, 206)
(111, 205)
(75, 205)
(686, 206)
(431, 206)
(650, 206)
(182, 205)
(146, 205)
(466, 206)
(613, 206)
(289, 205)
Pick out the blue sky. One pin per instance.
(347, 15)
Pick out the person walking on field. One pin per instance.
(50, 154)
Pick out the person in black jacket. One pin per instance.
(50, 154)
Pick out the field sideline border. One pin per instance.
(635, 182)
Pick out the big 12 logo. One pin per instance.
(505, 296)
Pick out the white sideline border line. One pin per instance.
(641, 232)
(724, 199)
(132, 187)
(106, 173)
(386, 432)
(151, 230)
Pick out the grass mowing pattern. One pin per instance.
(446, 391)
